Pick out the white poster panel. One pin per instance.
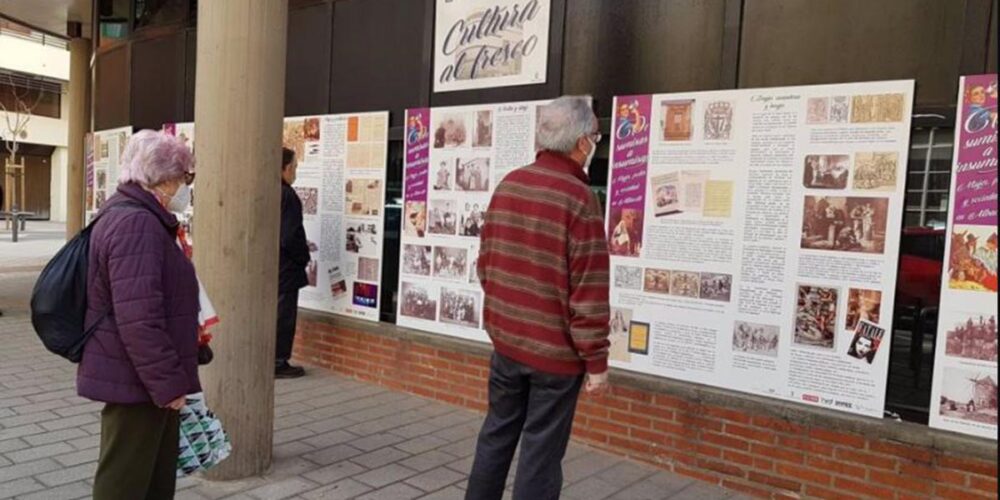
(341, 182)
(490, 43)
(102, 173)
(455, 157)
(755, 236)
(964, 392)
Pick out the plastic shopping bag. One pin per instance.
(203, 442)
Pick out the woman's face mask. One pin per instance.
(181, 200)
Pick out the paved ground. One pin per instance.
(334, 438)
(36, 244)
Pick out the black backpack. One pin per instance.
(59, 299)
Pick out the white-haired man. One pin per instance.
(543, 264)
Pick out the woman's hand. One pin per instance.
(177, 404)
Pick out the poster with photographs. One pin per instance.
(455, 157)
(107, 147)
(964, 390)
(754, 237)
(341, 183)
(490, 43)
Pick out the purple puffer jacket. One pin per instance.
(147, 349)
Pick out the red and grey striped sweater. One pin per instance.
(543, 264)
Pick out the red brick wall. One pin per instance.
(756, 454)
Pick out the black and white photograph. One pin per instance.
(443, 176)
(484, 129)
(472, 174)
(417, 260)
(451, 132)
(826, 171)
(716, 286)
(443, 217)
(840, 109)
(816, 316)
(461, 307)
(361, 238)
(451, 263)
(628, 277)
(310, 199)
(974, 337)
(473, 218)
(754, 338)
(473, 267)
(969, 394)
(845, 224)
(417, 302)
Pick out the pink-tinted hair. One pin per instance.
(152, 158)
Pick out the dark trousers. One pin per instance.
(139, 448)
(535, 408)
(288, 313)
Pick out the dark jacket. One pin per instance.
(147, 349)
(294, 247)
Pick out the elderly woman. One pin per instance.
(142, 292)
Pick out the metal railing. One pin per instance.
(23, 33)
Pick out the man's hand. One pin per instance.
(177, 404)
(596, 384)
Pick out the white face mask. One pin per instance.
(181, 200)
(590, 155)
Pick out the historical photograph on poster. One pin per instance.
(826, 171)
(972, 338)
(754, 338)
(415, 224)
(102, 180)
(840, 109)
(969, 394)
(364, 196)
(685, 284)
(443, 176)
(876, 171)
(417, 260)
(338, 283)
(443, 217)
(972, 265)
(620, 321)
(878, 108)
(472, 174)
(310, 199)
(676, 120)
(816, 316)
(361, 238)
(474, 267)
(628, 277)
(818, 110)
(625, 239)
(472, 221)
(451, 263)
(461, 307)
(368, 269)
(484, 129)
(716, 286)
(719, 121)
(310, 129)
(846, 224)
(294, 137)
(666, 194)
(451, 132)
(867, 339)
(863, 305)
(416, 301)
(656, 281)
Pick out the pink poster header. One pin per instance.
(976, 165)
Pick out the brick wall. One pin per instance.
(751, 449)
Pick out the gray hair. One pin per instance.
(562, 123)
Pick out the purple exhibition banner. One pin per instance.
(629, 160)
(417, 150)
(976, 163)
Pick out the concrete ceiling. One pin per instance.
(49, 15)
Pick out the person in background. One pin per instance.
(294, 258)
(142, 295)
(544, 267)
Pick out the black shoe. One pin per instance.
(288, 371)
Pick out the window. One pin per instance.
(928, 178)
(48, 100)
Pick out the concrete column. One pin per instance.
(79, 124)
(239, 107)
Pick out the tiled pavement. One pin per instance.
(335, 438)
